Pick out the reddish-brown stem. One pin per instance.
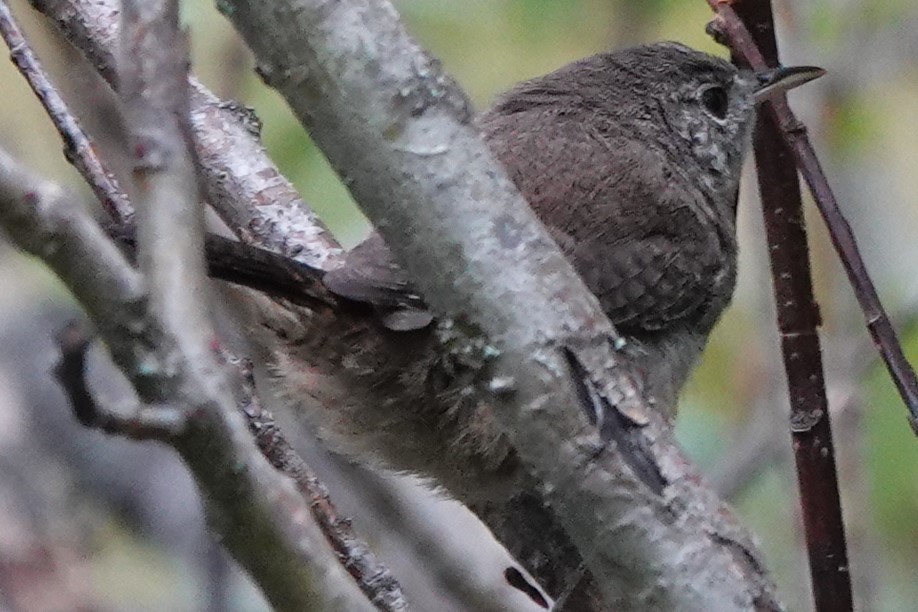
(798, 320)
(800, 148)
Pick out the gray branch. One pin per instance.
(153, 84)
(239, 179)
(262, 518)
(398, 131)
(236, 174)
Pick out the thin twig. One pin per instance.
(798, 320)
(373, 578)
(78, 148)
(795, 138)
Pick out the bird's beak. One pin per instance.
(778, 80)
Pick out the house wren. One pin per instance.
(632, 160)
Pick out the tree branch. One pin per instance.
(398, 129)
(798, 319)
(238, 179)
(227, 260)
(153, 84)
(142, 423)
(262, 519)
(789, 129)
(78, 148)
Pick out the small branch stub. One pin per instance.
(153, 423)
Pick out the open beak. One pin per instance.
(779, 80)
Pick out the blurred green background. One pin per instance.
(863, 118)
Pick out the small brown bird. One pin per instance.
(632, 160)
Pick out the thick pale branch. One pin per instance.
(399, 131)
(37, 218)
(40, 221)
(153, 86)
(227, 259)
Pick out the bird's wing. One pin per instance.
(642, 284)
(647, 283)
(632, 224)
(370, 275)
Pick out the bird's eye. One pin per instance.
(716, 101)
